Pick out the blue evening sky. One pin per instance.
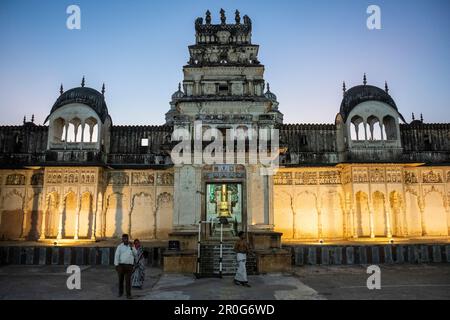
(138, 49)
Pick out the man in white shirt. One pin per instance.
(124, 261)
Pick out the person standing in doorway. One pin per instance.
(241, 248)
(124, 261)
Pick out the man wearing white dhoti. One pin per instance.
(241, 248)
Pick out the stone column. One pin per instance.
(44, 218)
(82, 134)
(77, 218)
(94, 218)
(61, 213)
(371, 221)
(421, 204)
(381, 129)
(24, 224)
(387, 213)
(91, 132)
(66, 133)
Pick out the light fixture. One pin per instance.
(320, 241)
(391, 241)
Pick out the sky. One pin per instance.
(138, 48)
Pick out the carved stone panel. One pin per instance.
(410, 177)
(37, 179)
(142, 178)
(431, 177)
(165, 179)
(118, 178)
(15, 180)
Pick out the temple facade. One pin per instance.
(79, 177)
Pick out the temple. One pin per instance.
(369, 175)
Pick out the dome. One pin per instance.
(84, 95)
(270, 95)
(178, 94)
(363, 93)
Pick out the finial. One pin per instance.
(61, 89)
(24, 119)
(179, 86)
(413, 117)
(268, 87)
(103, 89)
(421, 117)
(82, 82)
(386, 88)
(208, 17)
(343, 87)
(222, 16)
(238, 17)
(32, 118)
(364, 79)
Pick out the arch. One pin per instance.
(69, 215)
(86, 215)
(357, 129)
(306, 217)
(390, 128)
(332, 215)
(164, 215)
(59, 130)
(374, 128)
(12, 215)
(52, 215)
(142, 216)
(413, 213)
(435, 215)
(362, 214)
(396, 203)
(116, 215)
(379, 214)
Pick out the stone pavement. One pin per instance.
(311, 282)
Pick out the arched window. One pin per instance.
(357, 129)
(390, 128)
(94, 137)
(71, 133)
(59, 132)
(375, 128)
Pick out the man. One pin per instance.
(241, 248)
(124, 261)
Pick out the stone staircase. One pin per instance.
(210, 259)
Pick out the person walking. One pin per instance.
(138, 276)
(124, 261)
(241, 248)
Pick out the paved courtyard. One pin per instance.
(337, 282)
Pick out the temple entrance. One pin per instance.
(224, 209)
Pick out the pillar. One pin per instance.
(77, 218)
(44, 218)
(82, 134)
(422, 215)
(60, 224)
(371, 222)
(387, 213)
(24, 224)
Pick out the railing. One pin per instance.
(199, 246)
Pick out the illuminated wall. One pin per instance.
(362, 201)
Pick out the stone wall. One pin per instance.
(85, 203)
(362, 201)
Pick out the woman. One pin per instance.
(138, 276)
